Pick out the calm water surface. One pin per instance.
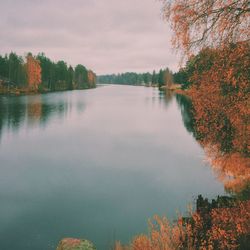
(94, 164)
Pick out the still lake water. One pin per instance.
(94, 164)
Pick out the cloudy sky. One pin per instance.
(108, 36)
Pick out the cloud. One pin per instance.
(108, 36)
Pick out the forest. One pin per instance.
(41, 74)
(160, 78)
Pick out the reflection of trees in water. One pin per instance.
(223, 135)
(223, 223)
(12, 113)
(166, 96)
(232, 168)
(34, 109)
(186, 107)
(16, 111)
(219, 122)
(80, 107)
(2, 113)
(40, 110)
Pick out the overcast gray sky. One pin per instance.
(108, 36)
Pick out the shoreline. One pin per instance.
(25, 91)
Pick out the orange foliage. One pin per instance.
(232, 168)
(119, 246)
(201, 22)
(229, 224)
(228, 227)
(33, 71)
(220, 97)
(142, 242)
(91, 78)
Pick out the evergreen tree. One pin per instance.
(161, 80)
(154, 78)
(70, 78)
(48, 70)
(4, 68)
(81, 76)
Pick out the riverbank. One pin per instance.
(171, 87)
(14, 91)
(176, 88)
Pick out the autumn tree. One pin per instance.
(168, 78)
(33, 71)
(91, 78)
(201, 23)
(218, 116)
(198, 64)
(218, 225)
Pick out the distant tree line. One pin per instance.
(161, 78)
(128, 78)
(42, 74)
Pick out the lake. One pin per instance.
(95, 164)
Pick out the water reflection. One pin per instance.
(224, 136)
(187, 114)
(31, 111)
(166, 97)
(107, 157)
(12, 114)
(223, 222)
